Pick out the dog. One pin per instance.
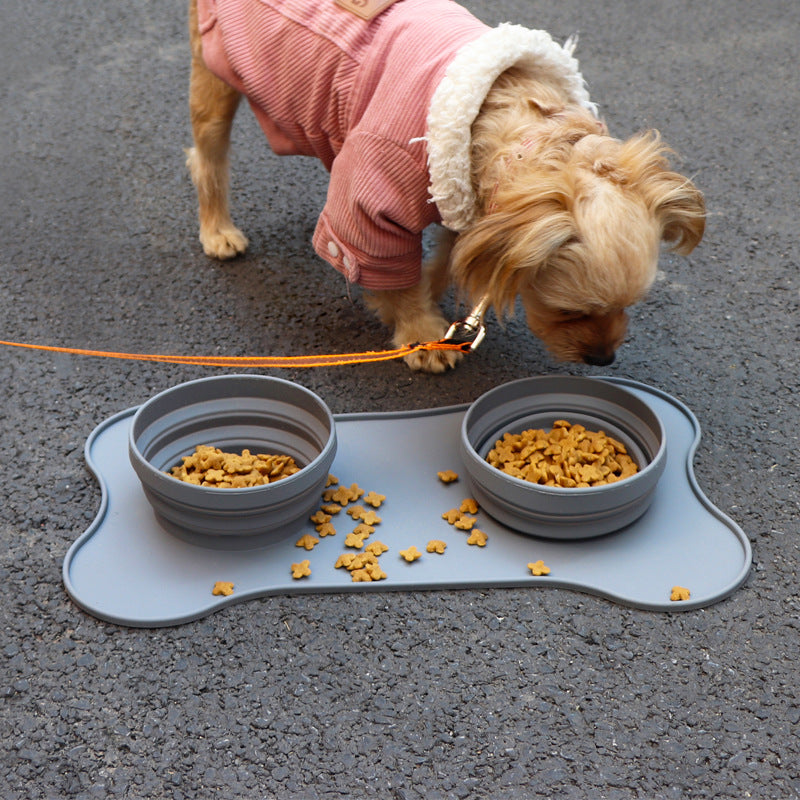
(424, 115)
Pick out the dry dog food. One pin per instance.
(370, 518)
(308, 541)
(210, 466)
(359, 533)
(538, 568)
(373, 572)
(301, 570)
(411, 554)
(374, 499)
(344, 560)
(362, 560)
(222, 588)
(468, 506)
(354, 540)
(477, 537)
(326, 529)
(679, 593)
(363, 567)
(342, 495)
(567, 456)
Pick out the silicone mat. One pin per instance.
(126, 569)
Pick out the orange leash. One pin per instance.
(259, 362)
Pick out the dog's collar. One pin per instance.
(458, 99)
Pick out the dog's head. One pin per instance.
(573, 226)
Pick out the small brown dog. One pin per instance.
(422, 114)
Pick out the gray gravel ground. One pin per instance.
(474, 694)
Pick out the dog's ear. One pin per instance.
(502, 252)
(673, 199)
(681, 209)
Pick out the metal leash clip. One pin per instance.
(470, 330)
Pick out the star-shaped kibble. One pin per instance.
(680, 593)
(355, 491)
(340, 495)
(363, 530)
(301, 570)
(375, 572)
(477, 537)
(374, 499)
(468, 506)
(370, 518)
(308, 541)
(354, 540)
(452, 515)
(326, 529)
(412, 554)
(344, 560)
(538, 568)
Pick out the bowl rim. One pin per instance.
(175, 484)
(656, 463)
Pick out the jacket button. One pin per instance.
(333, 249)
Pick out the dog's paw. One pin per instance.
(223, 242)
(434, 361)
(427, 329)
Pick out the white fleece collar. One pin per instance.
(458, 99)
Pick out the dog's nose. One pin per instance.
(599, 359)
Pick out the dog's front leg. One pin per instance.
(414, 317)
(413, 314)
(212, 105)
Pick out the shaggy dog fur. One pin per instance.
(570, 220)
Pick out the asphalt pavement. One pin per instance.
(490, 693)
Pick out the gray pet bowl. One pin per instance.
(555, 512)
(233, 412)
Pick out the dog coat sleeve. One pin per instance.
(371, 226)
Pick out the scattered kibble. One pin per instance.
(538, 568)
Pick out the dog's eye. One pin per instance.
(566, 315)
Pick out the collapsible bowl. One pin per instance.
(556, 512)
(233, 412)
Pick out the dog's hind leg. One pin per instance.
(212, 105)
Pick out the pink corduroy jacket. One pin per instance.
(323, 82)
